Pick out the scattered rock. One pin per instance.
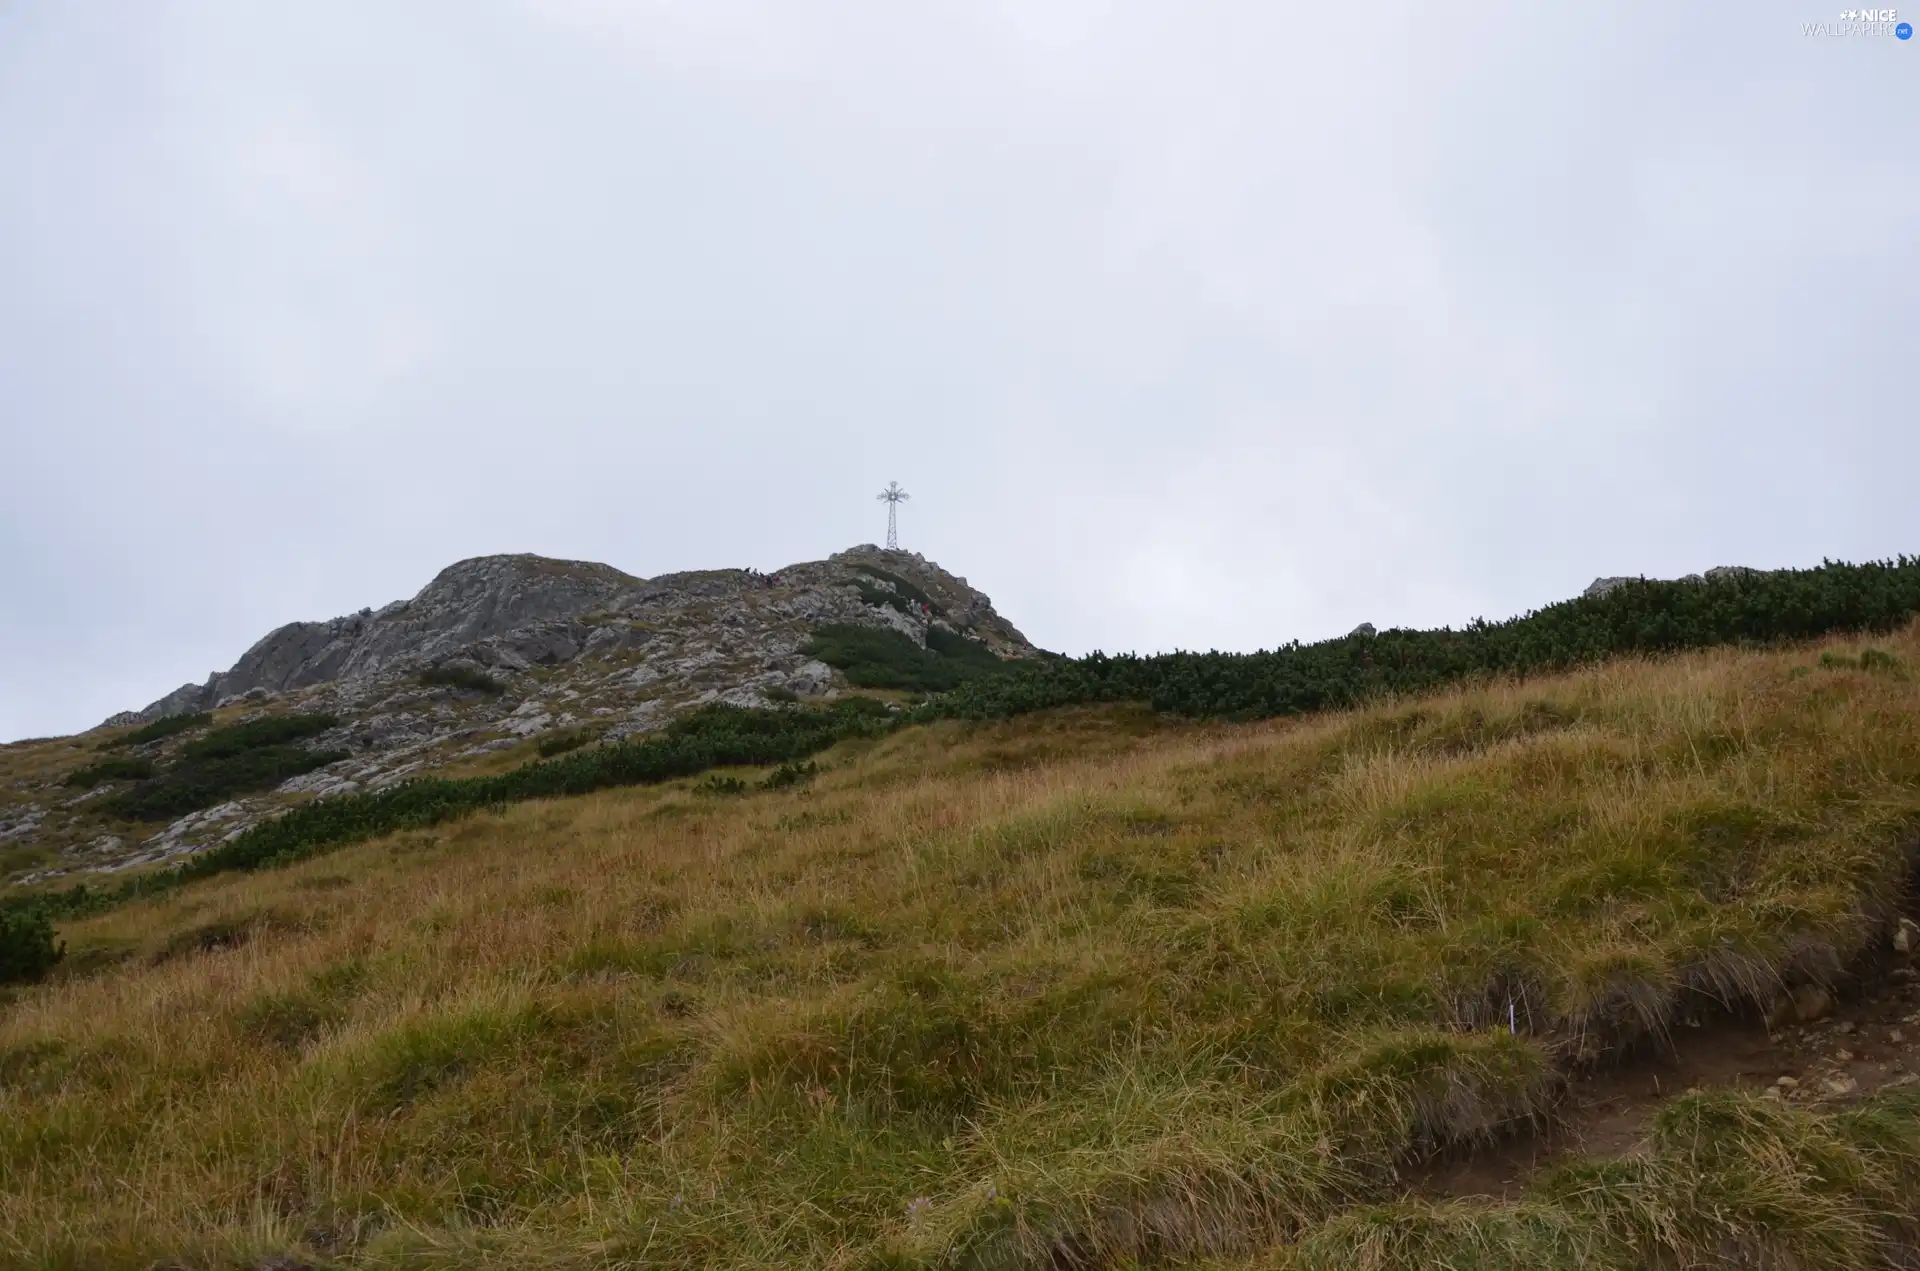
(1803, 1005)
(1811, 1002)
(22, 822)
(1838, 1086)
(1786, 1083)
(526, 725)
(489, 747)
(323, 783)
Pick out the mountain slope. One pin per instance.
(1078, 989)
(495, 656)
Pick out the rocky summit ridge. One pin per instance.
(508, 614)
(558, 646)
(497, 661)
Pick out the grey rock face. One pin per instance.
(22, 822)
(563, 646)
(467, 603)
(1601, 586)
(1364, 629)
(516, 613)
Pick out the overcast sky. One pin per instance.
(1186, 325)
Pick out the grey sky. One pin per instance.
(1186, 325)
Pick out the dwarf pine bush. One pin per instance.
(27, 946)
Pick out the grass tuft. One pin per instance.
(1729, 1180)
(561, 743)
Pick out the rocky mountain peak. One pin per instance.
(497, 652)
(469, 601)
(521, 584)
(512, 612)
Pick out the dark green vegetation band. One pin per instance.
(166, 727)
(252, 756)
(717, 736)
(462, 677)
(903, 591)
(880, 657)
(255, 734)
(1633, 618)
(112, 768)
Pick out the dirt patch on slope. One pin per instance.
(1843, 1050)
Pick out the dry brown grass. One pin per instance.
(1084, 987)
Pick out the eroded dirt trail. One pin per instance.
(1841, 1049)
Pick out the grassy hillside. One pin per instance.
(1068, 990)
(967, 681)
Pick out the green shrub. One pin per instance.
(1635, 618)
(903, 587)
(720, 785)
(160, 728)
(879, 657)
(958, 648)
(27, 947)
(881, 598)
(561, 743)
(791, 773)
(199, 783)
(114, 769)
(1879, 660)
(462, 677)
(872, 657)
(273, 730)
(227, 761)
